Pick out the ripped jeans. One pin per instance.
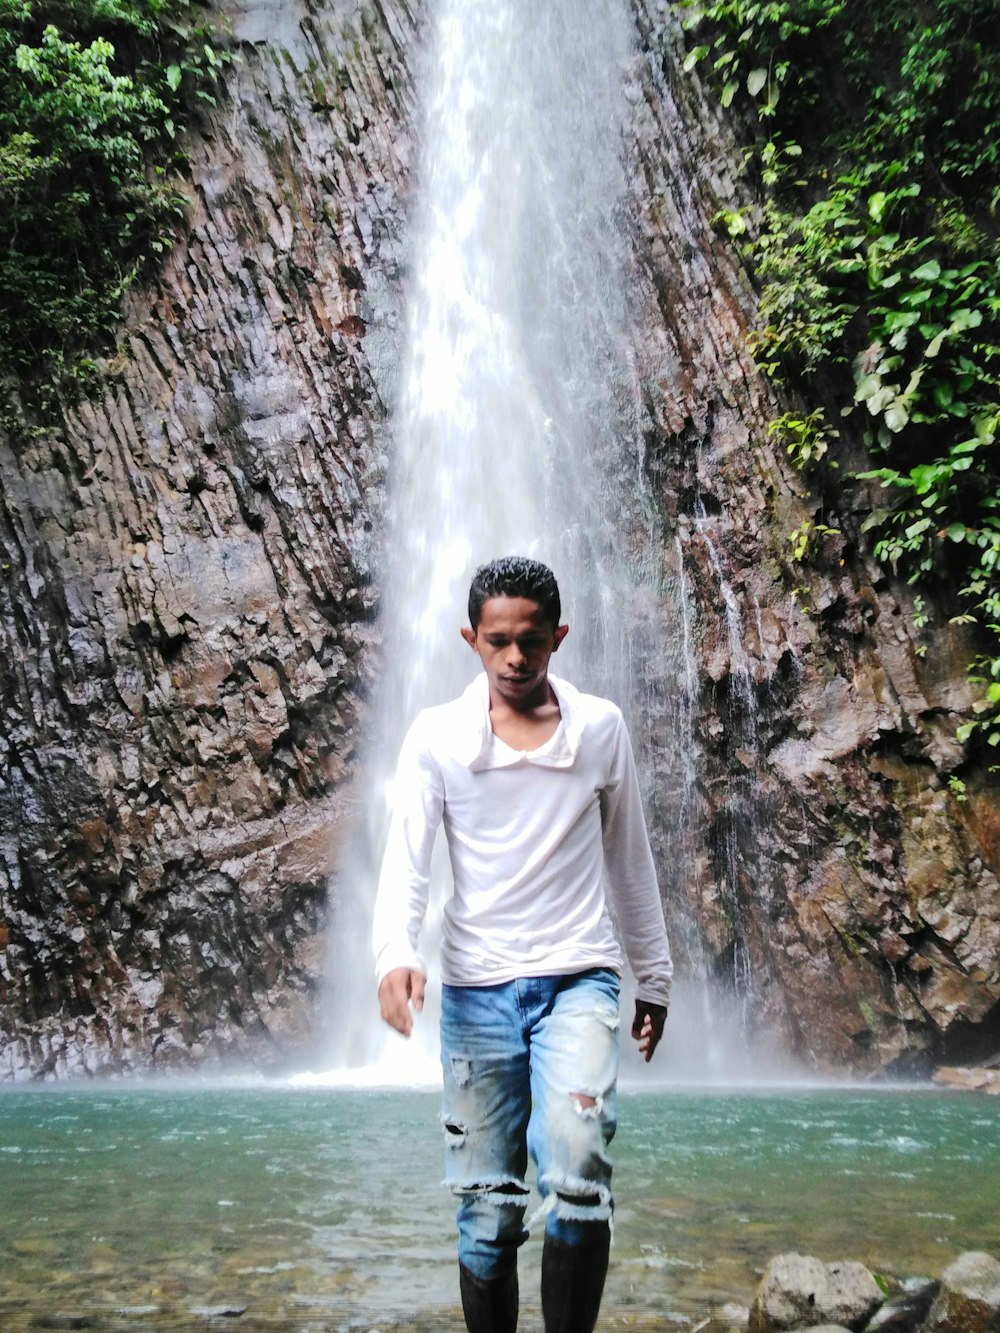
(530, 1066)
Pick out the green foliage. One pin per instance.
(93, 93)
(867, 1012)
(877, 142)
(803, 540)
(806, 439)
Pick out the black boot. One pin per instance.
(489, 1304)
(573, 1283)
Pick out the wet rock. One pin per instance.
(969, 1079)
(906, 1309)
(830, 860)
(969, 1299)
(800, 1291)
(731, 1316)
(186, 586)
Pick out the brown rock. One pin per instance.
(970, 1080)
(969, 1299)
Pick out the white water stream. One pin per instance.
(517, 430)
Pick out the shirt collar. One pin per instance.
(477, 751)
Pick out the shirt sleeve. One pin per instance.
(416, 806)
(631, 874)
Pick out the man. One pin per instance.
(536, 787)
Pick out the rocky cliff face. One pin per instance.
(838, 877)
(187, 586)
(188, 603)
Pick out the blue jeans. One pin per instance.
(530, 1067)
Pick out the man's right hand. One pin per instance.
(400, 989)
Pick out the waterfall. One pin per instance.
(517, 425)
(517, 430)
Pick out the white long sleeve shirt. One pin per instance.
(534, 837)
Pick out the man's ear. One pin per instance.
(469, 635)
(558, 634)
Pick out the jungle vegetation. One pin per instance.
(875, 137)
(94, 95)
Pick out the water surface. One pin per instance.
(308, 1209)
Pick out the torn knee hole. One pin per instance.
(499, 1193)
(581, 1200)
(455, 1130)
(586, 1104)
(578, 1199)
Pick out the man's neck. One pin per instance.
(528, 727)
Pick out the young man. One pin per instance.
(536, 787)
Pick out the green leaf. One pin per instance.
(934, 346)
(929, 272)
(173, 77)
(917, 528)
(729, 92)
(875, 519)
(756, 80)
(693, 56)
(896, 415)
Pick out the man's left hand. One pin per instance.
(647, 1027)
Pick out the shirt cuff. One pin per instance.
(396, 955)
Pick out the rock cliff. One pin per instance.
(841, 878)
(189, 598)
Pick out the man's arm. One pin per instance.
(631, 874)
(417, 803)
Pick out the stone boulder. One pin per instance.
(969, 1079)
(906, 1310)
(969, 1299)
(731, 1317)
(799, 1291)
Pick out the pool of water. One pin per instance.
(160, 1207)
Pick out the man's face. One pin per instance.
(514, 641)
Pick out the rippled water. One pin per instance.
(160, 1208)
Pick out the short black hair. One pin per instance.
(515, 576)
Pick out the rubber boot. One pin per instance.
(489, 1304)
(573, 1283)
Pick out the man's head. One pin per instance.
(515, 576)
(514, 609)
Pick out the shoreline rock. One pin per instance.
(968, 1078)
(802, 1292)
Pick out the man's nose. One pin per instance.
(515, 657)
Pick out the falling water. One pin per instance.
(518, 429)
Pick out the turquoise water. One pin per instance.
(308, 1209)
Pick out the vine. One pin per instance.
(876, 142)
